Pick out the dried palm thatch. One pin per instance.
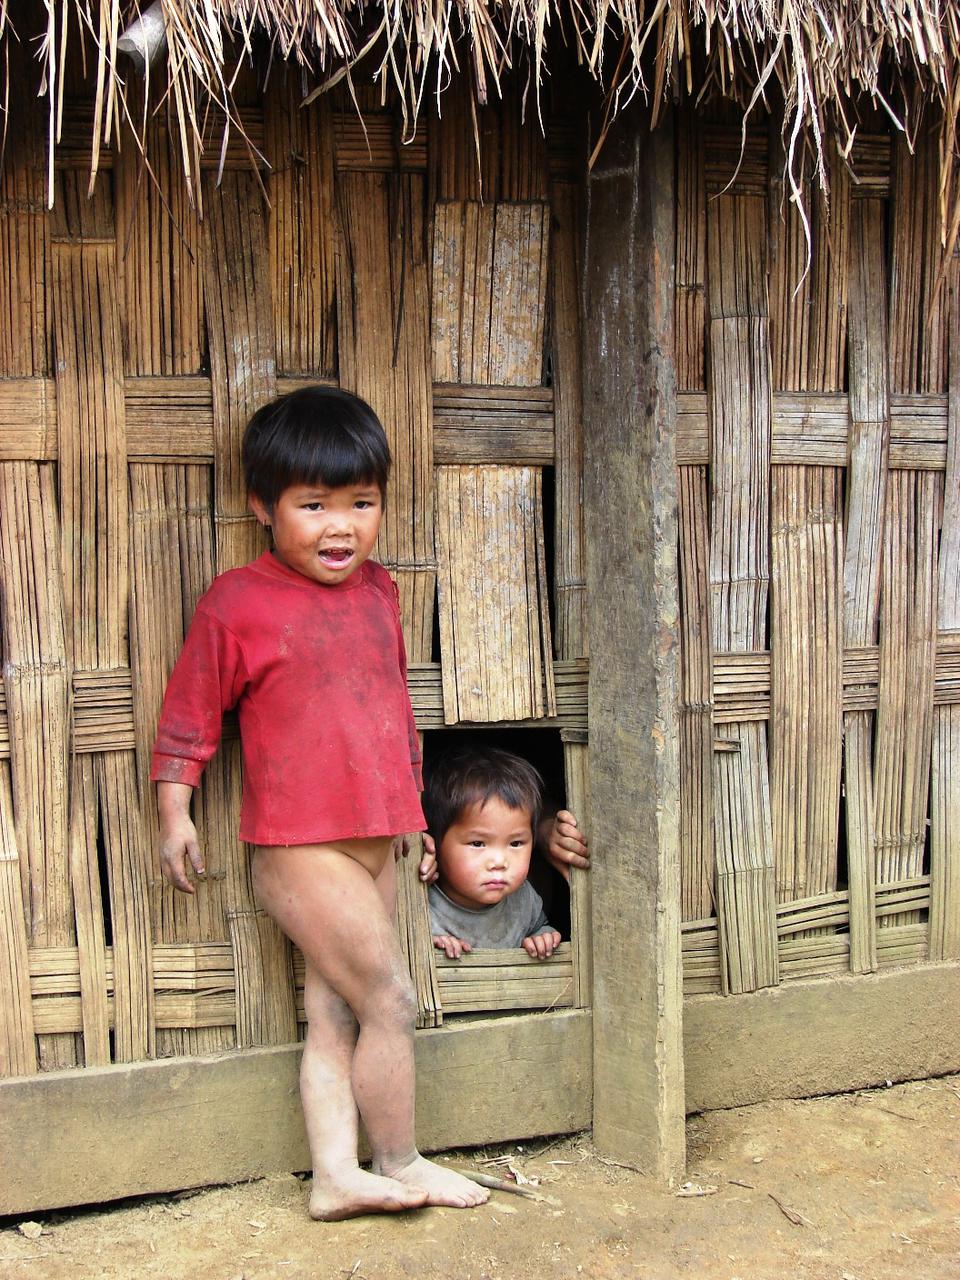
(820, 58)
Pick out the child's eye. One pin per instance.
(362, 503)
(475, 844)
(312, 506)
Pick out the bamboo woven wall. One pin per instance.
(135, 342)
(819, 418)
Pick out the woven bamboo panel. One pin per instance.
(484, 333)
(844, 491)
(494, 624)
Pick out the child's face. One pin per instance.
(325, 534)
(485, 855)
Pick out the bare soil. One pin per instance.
(863, 1186)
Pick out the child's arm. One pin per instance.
(179, 846)
(453, 947)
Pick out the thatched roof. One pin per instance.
(820, 58)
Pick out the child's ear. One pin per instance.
(260, 509)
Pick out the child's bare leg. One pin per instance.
(341, 1189)
(328, 903)
(444, 1186)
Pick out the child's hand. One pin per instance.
(179, 851)
(428, 863)
(401, 847)
(179, 846)
(564, 843)
(453, 948)
(541, 945)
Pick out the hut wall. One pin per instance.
(137, 339)
(818, 419)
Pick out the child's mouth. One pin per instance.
(336, 556)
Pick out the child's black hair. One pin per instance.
(464, 777)
(317, 435)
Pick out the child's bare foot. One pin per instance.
(351, 1194)
(443, 1186)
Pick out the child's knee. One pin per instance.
(398, 1004)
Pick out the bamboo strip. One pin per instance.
(945, 806)
(158, 253)
(25, 329)
(243, 372)
(171, 545)
(904, 727)
(866, 489)
(572, 639)
(301, 226)
(383, 288)
(37, 687)
(698, 860)
(94, 515)
(740, 422)
(18, 1048)
(494, 634)
(691, 254)
(806, 677)
(171, 420)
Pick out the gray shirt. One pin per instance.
(505, 924)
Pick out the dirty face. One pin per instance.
(485, 854)
(323, 533)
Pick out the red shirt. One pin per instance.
(318, 676)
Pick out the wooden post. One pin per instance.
(631, 524)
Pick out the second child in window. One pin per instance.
(483, 810)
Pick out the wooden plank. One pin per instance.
(945, 781)
(243, 374)
(866, 490)
(494, 636)
(383, 289)
(572, 631)
(145, 1147)
(94, 531)
(630, 505)
(813, 1037)
(691, 256)
(577, 779)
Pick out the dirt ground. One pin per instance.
(862, 1186)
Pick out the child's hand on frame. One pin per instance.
(428, 863)
(453, 948)
(401, 847)
(564, 843)
(541, 945)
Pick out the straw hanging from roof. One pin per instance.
(819, 58)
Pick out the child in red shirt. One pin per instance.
(305, 642)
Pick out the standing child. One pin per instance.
(483, 810)
(306, 643)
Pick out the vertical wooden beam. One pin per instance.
(945, 800)
(631, 522)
